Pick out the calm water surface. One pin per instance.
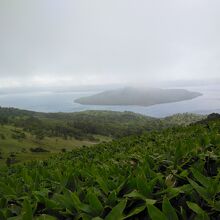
(64, 102)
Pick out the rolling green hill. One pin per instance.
(22, 131)
(18, 145)
(83, 125)
(183, 119)
(169, 174)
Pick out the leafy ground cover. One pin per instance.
(167, 175)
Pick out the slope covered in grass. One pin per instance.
(171, 174)
(22, 130)
(83, 125)
(17, 144)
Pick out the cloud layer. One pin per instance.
(79, 42)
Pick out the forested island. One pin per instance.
(138, 96)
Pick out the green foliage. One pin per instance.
(117, 211)
(168, 210)
(83, 125)
(184, 119)
(168, 174)
(155, 213)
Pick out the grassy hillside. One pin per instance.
(183, 119)
(80, 125)
(168, 174)
(84, 125)
(21, 130)
(17, 144)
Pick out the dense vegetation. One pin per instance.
(84, 125)
(160, 175)
(27, 135)
(183, 119)
(138, 96)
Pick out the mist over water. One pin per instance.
(64, 102)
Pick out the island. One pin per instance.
(138, 96)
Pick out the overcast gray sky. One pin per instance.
(80, 42)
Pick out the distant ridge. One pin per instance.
(210, 117)
(140, 97)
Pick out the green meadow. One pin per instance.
(20, 147)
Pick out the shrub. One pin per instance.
(38, 150)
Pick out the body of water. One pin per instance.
(64, 102)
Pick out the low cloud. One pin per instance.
(83, 42)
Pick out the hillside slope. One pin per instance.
(17, 145)
(21, 131)
(84, 125)
(171, 174)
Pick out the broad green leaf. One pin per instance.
(27, 210)
(150, 201)
(50, 204)
(64, 201)
(136, 211)
(117, 212)
(201, 190)
(94, 203)
(78, 204)
(112, 198)
(75, 200)
(195, 207)
(168, 210)
(178, 153)
(46, 217)
(205, 181)
(142, 186)
(6, 189)
(103, 185)
(184, 173)
(135, 194)
(27, 178)
(155, 213)
(201, 213)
